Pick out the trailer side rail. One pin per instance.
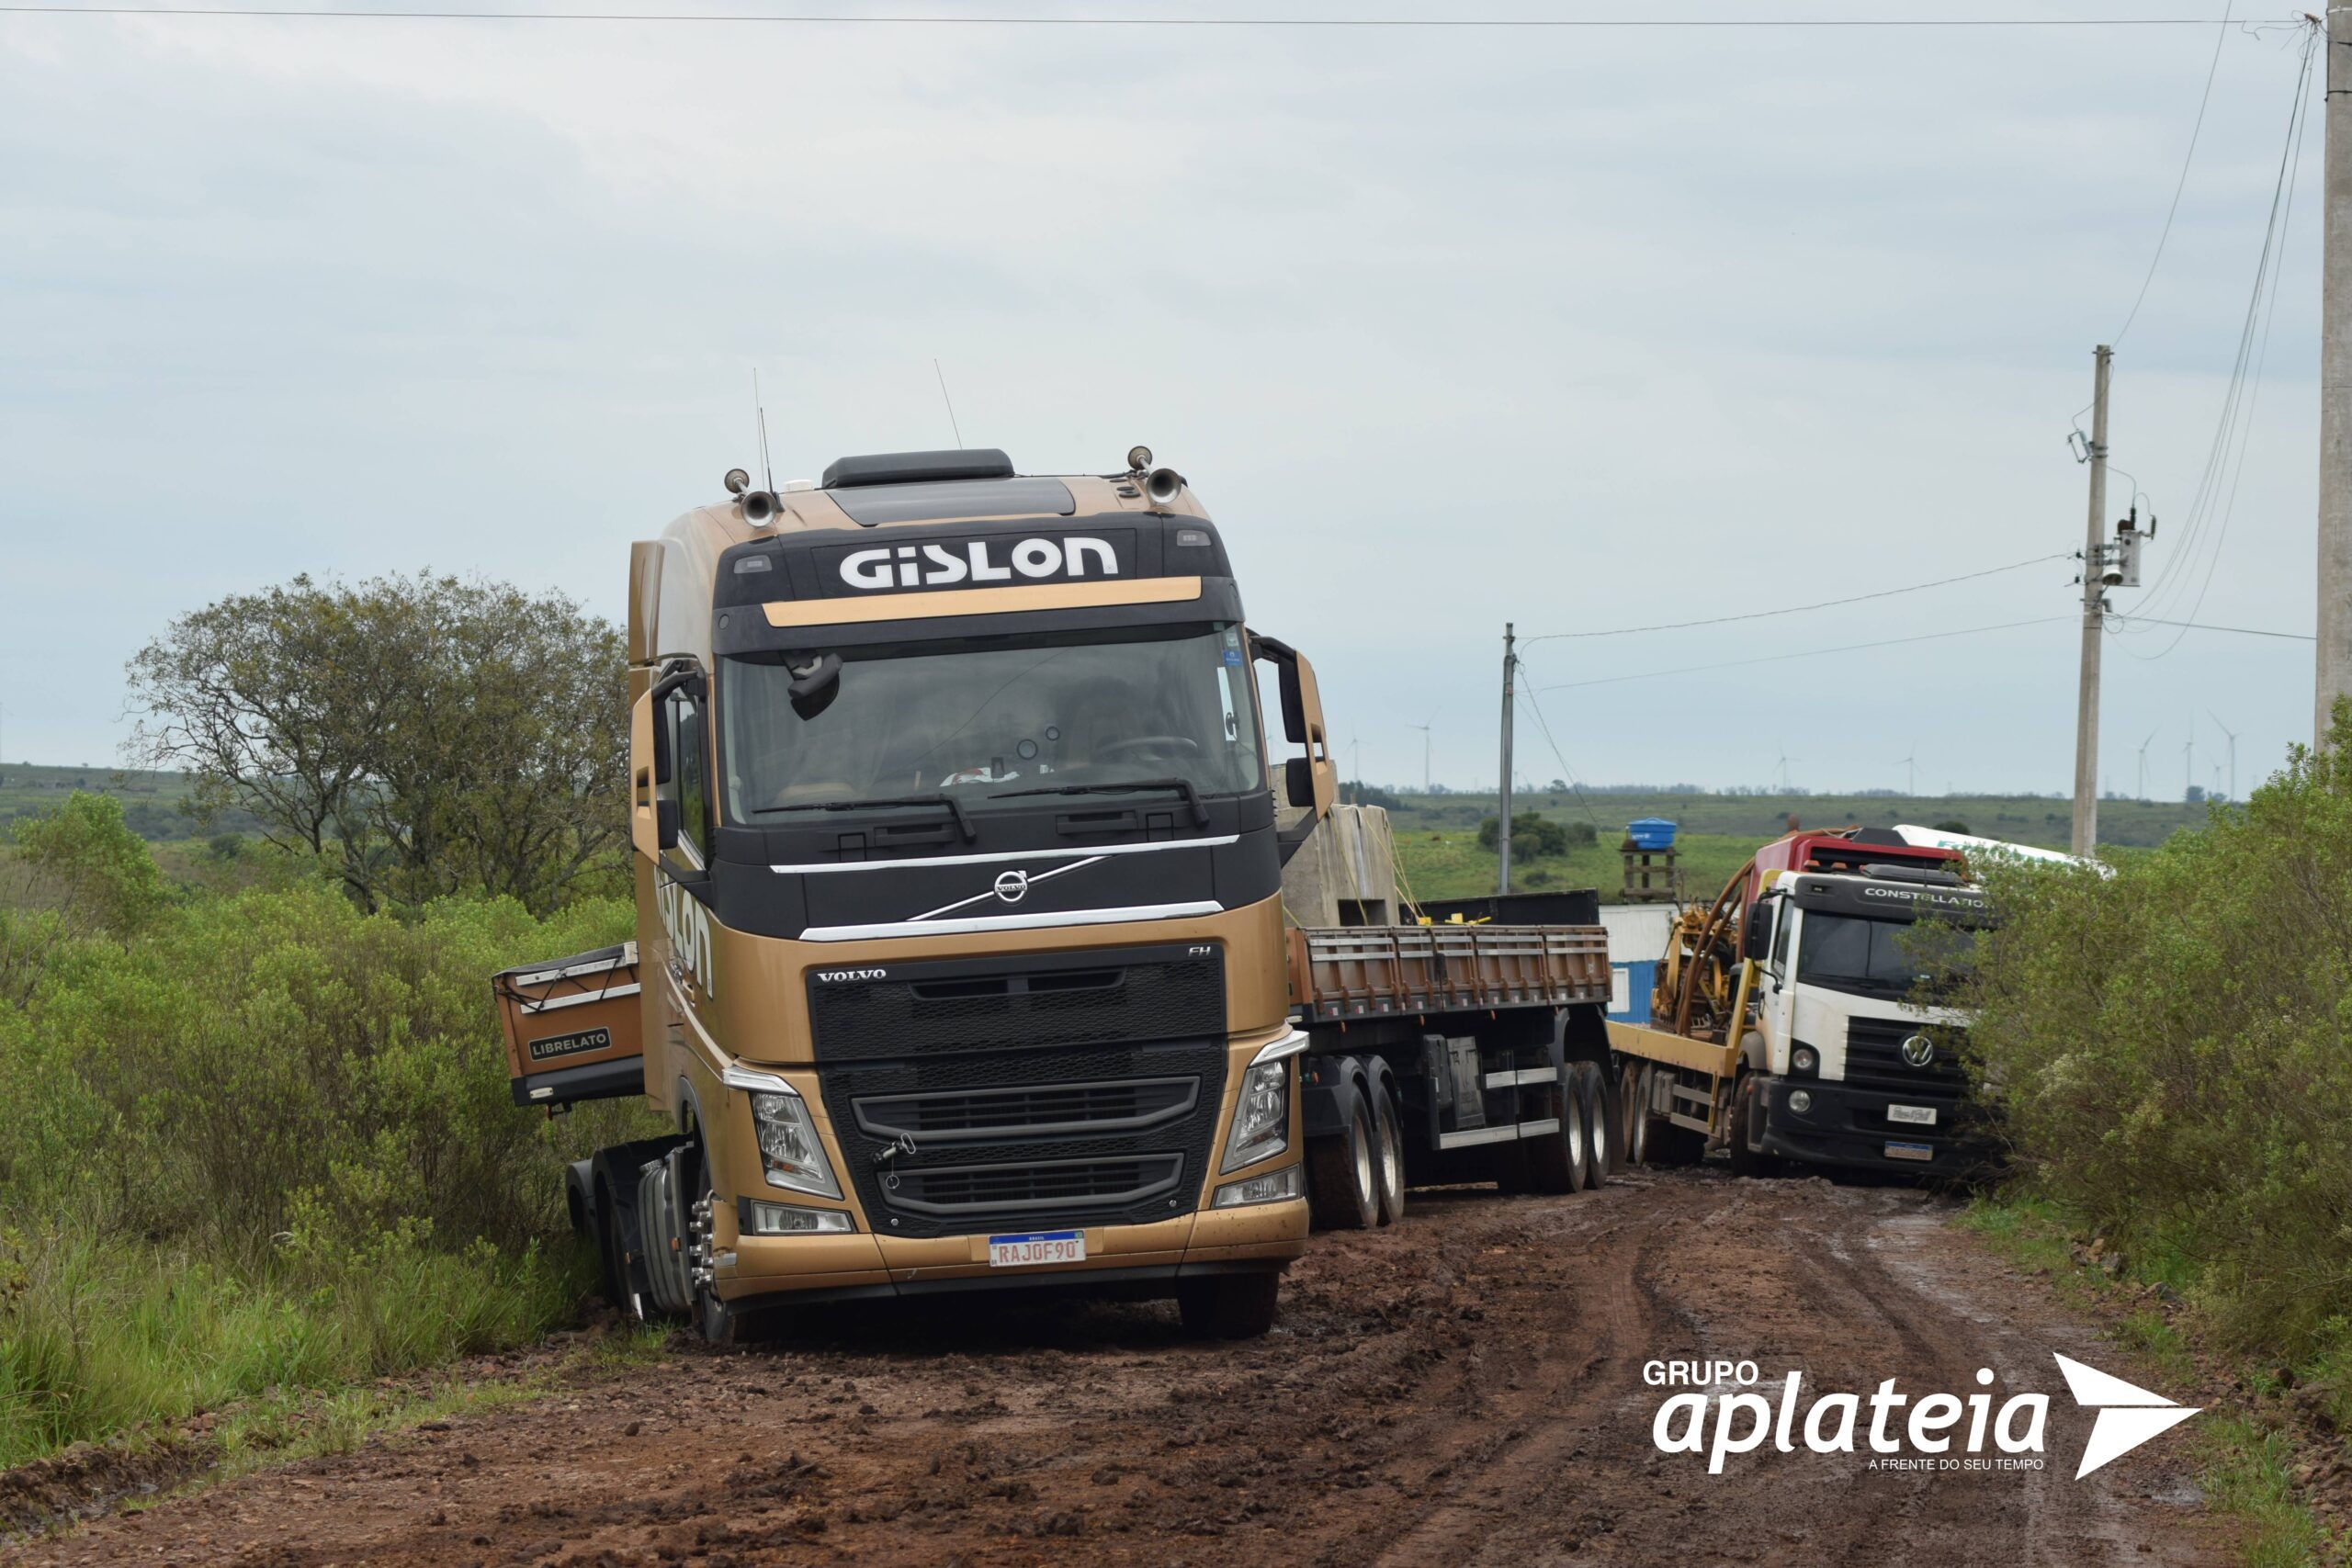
(1353, 972)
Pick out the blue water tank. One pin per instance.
(1651, 833)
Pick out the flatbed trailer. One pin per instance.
(1448, 1054)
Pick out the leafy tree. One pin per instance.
(1531, 836)
(1951, 825)
(420, 736)
(103, 869)
(1361, 794)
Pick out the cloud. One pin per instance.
(1572, 330)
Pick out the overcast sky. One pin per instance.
(1577, 327)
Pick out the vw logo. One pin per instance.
(1012, 886)
(1918, 1049)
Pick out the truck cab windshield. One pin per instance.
(1884, 958)
(976, 718)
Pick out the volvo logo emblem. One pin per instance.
(1918, 1050)
(1012, 886)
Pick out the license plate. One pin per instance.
(1917, 1115)
(1911, 1151)
(1037, 1246)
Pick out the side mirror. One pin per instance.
(665, 822)
(1758, 935)
(1298, 782)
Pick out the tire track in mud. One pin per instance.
(1466, 1388)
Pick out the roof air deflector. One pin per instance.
(918, 468)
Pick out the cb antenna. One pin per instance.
(949, 401)
(760, 409)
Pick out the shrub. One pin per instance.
(2168, 1048)
(1531, 836)
(265, 1139)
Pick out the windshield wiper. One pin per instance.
(954, 808)
(1182, 786)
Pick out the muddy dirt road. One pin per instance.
(1466, 1388)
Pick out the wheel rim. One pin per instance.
(1392, 1173)
(1366, 1191)
(1599, 1139)
(1574, 1121)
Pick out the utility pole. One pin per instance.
(1511, 691)
(2333, 674)
(2085, 835)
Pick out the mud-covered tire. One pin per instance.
(1388, 1152)
(1634, 1097)
(1747, 1161)
(1559, 1162)
(1600, 1145)
(1342, 1179)
(1229, 1306)
(613, 1252)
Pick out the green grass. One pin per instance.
(2245, 1468)
(1448, 863)
(2044, 820)
(102, 1338)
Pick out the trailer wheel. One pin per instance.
(1342, 1177)
(1634, 1131)
(1229, 1306)
(1389, 1135)
(1560, 1161)
(613, 1251)
(1667, 1145)
(1600, 1147)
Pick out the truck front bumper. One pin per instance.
(1120, 1259)
(1848, 1126)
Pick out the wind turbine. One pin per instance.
(2144, 763)
(1785, 760)
(1424, 729)
(2233, 749)
(1910, 765)
(2188, 762)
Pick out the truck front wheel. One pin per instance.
(1229, 1306)
(1746, 1134)
(1342, 1174)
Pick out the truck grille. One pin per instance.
(1128, 1106)
(968, 1007)
(1040, 1190)
(1070, 1088)
(1874, 1059)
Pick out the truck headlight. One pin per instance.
(1803, 1059)
(790, 1219)
(1262, 1116)
(789, 1148)
(1274, 1187)
(1800, 1101)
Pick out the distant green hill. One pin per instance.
(2044, 820)
(150, 801)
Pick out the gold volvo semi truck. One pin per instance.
(962, 961)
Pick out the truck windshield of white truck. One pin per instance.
(993, 723)
(1884, 958)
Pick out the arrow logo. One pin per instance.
(2128, 1416)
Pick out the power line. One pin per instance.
(2219, 36)
(903, 19)
(2203, 626)
(1800, 609)
(2225, 457)
(1808, 653)
(1527, 695)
